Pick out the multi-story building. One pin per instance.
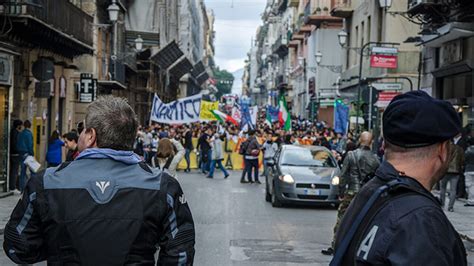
(448, 52)
(40, 41)
(367, 23)
(127, 48)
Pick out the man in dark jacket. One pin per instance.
(251, 157)
(105, 208)
(15, 159)
(25, 148)
(188, 145)
(394, 219)
(204, 145)
(358, 165)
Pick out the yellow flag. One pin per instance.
(206, 108)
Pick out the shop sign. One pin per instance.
(384, 61)
(5, 70)
(385, 97)
(87, 88)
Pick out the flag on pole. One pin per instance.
(220, 116)
(284, 115)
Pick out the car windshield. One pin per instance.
(307, 157)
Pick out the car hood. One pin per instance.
(310, 174)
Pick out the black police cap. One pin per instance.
(415, 119)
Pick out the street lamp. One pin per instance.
(319, 57)
(139, 43)
(113, 11)
(385, 3)
(342, 36)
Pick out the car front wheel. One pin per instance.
(275, 200)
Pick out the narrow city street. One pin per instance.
(235, 226)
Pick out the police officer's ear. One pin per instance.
(444, 152)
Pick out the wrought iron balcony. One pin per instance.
(55, 25)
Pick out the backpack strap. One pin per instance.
(168, 163)
(394, 188)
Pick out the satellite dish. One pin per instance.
(43, 69)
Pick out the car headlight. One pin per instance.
(335, 181)
(287, 179)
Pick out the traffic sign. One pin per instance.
(387, 86)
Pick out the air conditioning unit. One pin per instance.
(420, 6)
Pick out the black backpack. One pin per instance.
(243, 147)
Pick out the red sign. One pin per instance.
(384, 61)
(387, 96)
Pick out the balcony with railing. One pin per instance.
(293, 3)
(317, 15)
(280, 47)
(342, 9)
(59, 26)
(113, 75)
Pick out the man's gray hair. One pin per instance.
(114, 121)
(416, 154)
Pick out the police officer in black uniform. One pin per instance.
(395, 220)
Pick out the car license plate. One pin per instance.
(313, 192)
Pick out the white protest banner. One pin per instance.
(181, 111)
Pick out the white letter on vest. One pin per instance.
(367, 243)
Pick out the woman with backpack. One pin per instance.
(217, 155)
(169, 154)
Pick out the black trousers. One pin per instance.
(14, 166)
(251, 164)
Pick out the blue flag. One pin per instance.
(341, 117)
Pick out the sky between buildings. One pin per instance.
(236, 24)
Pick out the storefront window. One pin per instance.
(4, 133)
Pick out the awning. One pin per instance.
(198, 69)
(167, 56)
(181, 68)
(202, 78)
(449, 32)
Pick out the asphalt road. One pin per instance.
(236, 226)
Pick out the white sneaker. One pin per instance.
(16, 192)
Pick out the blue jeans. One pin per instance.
(187, 157)
(23, 177)
(249, 165)
(265, 166)
(206, 163)
(219, 164)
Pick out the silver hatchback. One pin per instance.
(303, 174)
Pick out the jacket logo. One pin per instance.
(102, 185)
(182, 199)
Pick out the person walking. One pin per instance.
(357, 167)
(188, 146)
(55, 150)
(25, 148)
(469, 174)
(217, 155)
(15, 159)
(251, 157)
(107, 207)
(269, 150)
(70, 140)
(170, 153)
(394, 219)
(452, 176)
(205, 150)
